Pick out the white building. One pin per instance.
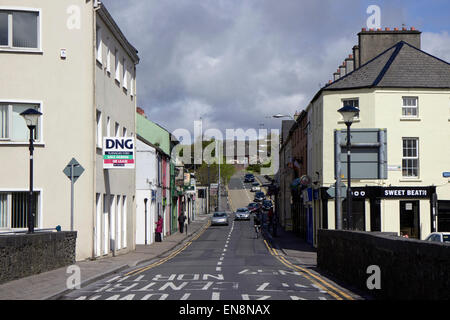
(70, 61)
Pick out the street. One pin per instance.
(221, 263)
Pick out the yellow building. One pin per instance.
(405, 93)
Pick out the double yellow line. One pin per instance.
(318, 281)
(170, 256)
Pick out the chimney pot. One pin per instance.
(350, 56)
(404, 29)
(371, 29)
(388, 29)
(412, 28)
(395, 29)
(379, 29)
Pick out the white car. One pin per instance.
(242, 214)
(442, 237)
(256, 188)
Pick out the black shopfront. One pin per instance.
(408, 198)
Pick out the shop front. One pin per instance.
(408, 211)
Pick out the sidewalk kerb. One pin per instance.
(125, 266)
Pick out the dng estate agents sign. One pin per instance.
(118, 153)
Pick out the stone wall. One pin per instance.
(24, 255)
(410, 269)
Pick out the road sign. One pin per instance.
(118, 153)
(332, 191)
(73, 169)
(446, 174)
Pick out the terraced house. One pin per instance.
(70, 61)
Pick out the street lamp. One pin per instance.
(31, 117)
(349, 113)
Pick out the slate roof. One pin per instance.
(401, 66)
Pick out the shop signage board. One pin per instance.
(118, 153)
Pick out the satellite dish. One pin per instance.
(305, 180)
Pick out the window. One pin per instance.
(108, 127)
(410, 161)
(117, 129)
(108, 60)
(125, 74)
(117, 65)
(354, 102)
(410, 107)
(99, 45)
(132, 84)
(124, 132)
(99, 129)
(19, 29)
(14, 210)
(12, 125)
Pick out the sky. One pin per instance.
(236, 63)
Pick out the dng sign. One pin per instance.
(118, 153)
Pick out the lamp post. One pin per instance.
(349, 113)
(31, 117)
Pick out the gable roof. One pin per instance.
(401, 66)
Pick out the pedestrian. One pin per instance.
(270, 215)
(181, 220)
(159, 228)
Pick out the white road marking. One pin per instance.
(215, 296)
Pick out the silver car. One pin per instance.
(242, 214)
(443, 237)
(219, 219)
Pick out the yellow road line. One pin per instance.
(306, 273)
(170, 256)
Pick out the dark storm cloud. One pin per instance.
(235, 62)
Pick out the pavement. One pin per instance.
(53, 284)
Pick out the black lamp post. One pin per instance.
(31, 117)
(349, 113)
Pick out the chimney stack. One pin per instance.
(336, 75)
(349, 64)
(356, 64)
(342, 70)
(374, 42)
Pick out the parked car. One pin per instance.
(443, 237)
(259, 197)
(252, 207)
(242, 214)
(219, 218)
(267, 204)
(256, 188)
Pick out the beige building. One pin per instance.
(70, 61)
(403, 94)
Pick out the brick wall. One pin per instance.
(25, 255)
(410, 269)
